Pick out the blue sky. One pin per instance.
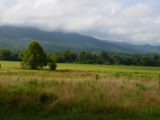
(133, 21)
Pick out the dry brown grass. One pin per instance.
(94, 91)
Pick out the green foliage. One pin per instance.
(87, 58)
(115, 59)
(52, 65)
(6, 54)
(34, 57)
(67, 56)
(52, 61)
(31, 58)
(103, 57)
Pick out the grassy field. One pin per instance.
(79, 92)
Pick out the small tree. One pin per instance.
(34, 57)
(52, 61)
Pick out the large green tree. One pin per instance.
(34, 56)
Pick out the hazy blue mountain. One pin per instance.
(19, 37)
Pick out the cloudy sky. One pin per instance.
(133, 21)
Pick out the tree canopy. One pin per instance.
(34, 56)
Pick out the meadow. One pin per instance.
(79, 92)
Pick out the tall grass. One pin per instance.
(106, 92)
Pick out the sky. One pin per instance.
(132, 21)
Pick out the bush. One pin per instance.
(52, 65)
(52, 61)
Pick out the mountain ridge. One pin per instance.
(18, 37)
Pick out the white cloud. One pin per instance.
(157, 21)
(117, 20)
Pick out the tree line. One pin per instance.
(6, 54)
(36, 53)
(107, 58)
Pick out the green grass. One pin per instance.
(109, 69)
(78, 92)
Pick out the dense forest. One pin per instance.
(87, 57)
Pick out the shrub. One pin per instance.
(52, 61)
